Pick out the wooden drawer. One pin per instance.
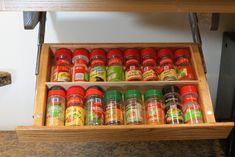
(210, 129)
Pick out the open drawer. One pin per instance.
(210, 129)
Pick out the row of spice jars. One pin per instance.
(147, 65)
(96, 107)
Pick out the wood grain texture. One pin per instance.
(218, 6)
(125, 133)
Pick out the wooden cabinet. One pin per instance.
(210, 129)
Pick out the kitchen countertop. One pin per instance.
(11, 147)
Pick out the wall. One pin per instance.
(18, 48)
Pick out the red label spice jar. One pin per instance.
(94, 106)
(115, 70)
(80, 61)
(191, 108)
(75, 112)
(166, 69)
(133, 69)
(97, 69)
(55, 106)
(113, 108)
(149, 64)
(184, 68)
(62, 71)
(154, 110)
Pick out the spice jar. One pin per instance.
(173, 110)
(133, 70)
(113, 108)
(62, 71)
(153, 107)
(184, 68)
(80, 61)
(166, 69)
(97, 70)
(75, 112)
(149, 64)
(94, 106)
(115, 71)
(55, 106)
(133, 107)
(191, 107)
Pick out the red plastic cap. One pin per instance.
(98, 52)
(165, 52)
(64, 52)
(76, 90)
(116, 52)
(132, 52)
(56, 92)
(94, 91)
(149, 62)
(148, 52)
(83, 52)
(181, 52)
(188, 89)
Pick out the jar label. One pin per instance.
(174, 115)
(55, 115)
(61, 74)
(75, 101)
(113, 116)
(192, 116)
(149, 75)
(168, 73)
(185, 73)
(134, 113)
(74, 116)
(115, 73)
(80, 73)
(133, 75)
(97, 73)
(94, 112)
(154, 113)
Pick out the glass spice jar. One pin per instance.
(149, 64)
(115, 71)
(75, 112)
(133, 70)
(133, 107)
(80, 61)
(190, 106)
(166, 69)
(184, 67)
(173, 110)
(98, 69)
(154, 110)
(113, 108)
(94, 106)
(62, 71)
(55, 106)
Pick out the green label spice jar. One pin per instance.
(94, 106)
(113, 108)
(115, 71)
(133, 107)
(55, 106)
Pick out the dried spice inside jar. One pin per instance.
(154, 110)
(133, 107)
(113, 108)
(184, 67)
(80, 61)
(166, 69)
(55, 106)
(132, 61)
(98, 69)
(94, 106)
(191, 107)
(62, 71)
(75, 112)
(115, 70)
(173, 110)
(149, 64)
